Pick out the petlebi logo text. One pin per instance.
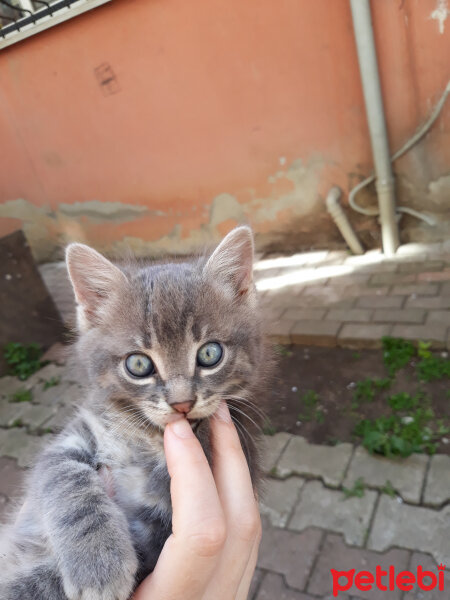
(388, 580)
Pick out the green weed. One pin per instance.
(23, 360)
(403, 401)
(49, 383)
(388, 489)
(395, 435)
(282, 350)
(21, 395)
(396, 354)
(356, 491)
(432, 367)
(268, 428)
(365, 390)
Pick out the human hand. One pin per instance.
(212, 552)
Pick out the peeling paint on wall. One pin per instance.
(440, 14)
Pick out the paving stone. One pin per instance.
(279, 499)
(358, 291)
(335, 554)
(305, 314)
(362, 335)
(9, 385)
(392, 278)
(412, 527)
(53, 395)
(406, 475)
(437, 490)
(362, 315)
(420, 289)
(431, 332)
(57, 353)
(434, 276)
(256, 580)
(302, 458)
(59, 420)
(419, 267)
(289, 553)
(356, 278)
(273, 447)
(404, 315)
(380, 302)
(439, 316)
(329, 509)
(428, 302)
(36, 415)
(10, 412)
(319, 333)
(11, 477)
(17, 443)
(45, 374)
(445, 289)
(280, 331)
(273, 588)
(427, 564)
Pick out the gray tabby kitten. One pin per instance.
(156, 342)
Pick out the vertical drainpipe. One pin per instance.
(365, 45)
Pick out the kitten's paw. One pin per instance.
(119, 587)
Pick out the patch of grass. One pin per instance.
(23, 359)
(404, 402)
(395, 435)
(21, 395)
(282, 350)
(17, 423)
(310, 398)
(49, 383)
(268, 428)
(432, 368)
(311, 412)
(356, 355)
(356, 491)
(388, 489)
(396, 354)
(365, 390)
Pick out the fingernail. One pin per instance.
(223, 413)
(182, 429)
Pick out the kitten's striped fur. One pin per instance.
(97, 508)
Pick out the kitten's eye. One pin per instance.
(209, 354)
(139, 365)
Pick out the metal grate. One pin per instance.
(22, 18)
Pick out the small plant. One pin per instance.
(23, 360)
(356, 355)
(365, 390)
(282, 350)
(388, 489)
(356, 491)
(432, 367)
(403, 402)
(396, 354)
(310, 398)
(21, 395)
(268, 428)
(312, 412)
(17, 423)
(49, 383)
(395, 435)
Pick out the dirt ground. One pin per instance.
(313, 393)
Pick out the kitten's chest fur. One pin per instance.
(136, 476)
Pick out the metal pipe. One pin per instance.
(342, 223)
(368, 66)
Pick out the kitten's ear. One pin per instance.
(232, 261)
(95, 282)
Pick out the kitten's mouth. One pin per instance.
(194, 423)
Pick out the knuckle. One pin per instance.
(209, 540)
(248, 526)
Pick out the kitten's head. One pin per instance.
(164, 341)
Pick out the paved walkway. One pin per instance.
(329, 298)
(313, 521)
(400, 517)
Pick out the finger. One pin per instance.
(246, 581)
(236, 493)
(191, 553)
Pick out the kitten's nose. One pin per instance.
(183, 407)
